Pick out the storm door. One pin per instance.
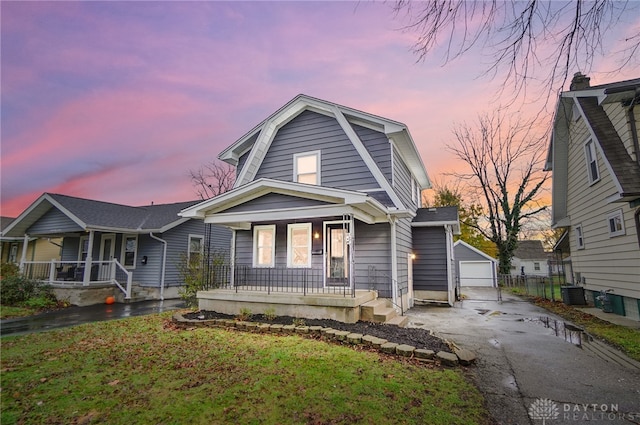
(337, 253)
(107, 251)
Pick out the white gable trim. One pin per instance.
(33, 207)
(476, 250)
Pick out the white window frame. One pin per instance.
(194, 236)
(123, 254)
(591, 157)
(611, 220)
(579, 233)
(256, 229)
(296, 174)
(413, 189)
(290, 247)
(81, 247)
(536, 266)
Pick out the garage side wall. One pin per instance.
(430, 264)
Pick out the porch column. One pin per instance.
(23, 258)
(87, 262)
(232, 259)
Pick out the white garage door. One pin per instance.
(476, 273)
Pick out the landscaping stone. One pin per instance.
(421, 353)
(315, 329)
(465, 356)
(447, 359)
(276, 328)
(251, 326)
(342, 335)
(264, 327)
(354, 338)
(325, 331)
(302, 329)
(389, 347)
(405, 350)
(288, 329)
(230, 323)
(368, 339)
(378, 342)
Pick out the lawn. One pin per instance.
(144, 370)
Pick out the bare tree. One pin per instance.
(505, 158)
(533, 40)
(212, 179)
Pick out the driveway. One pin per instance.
(523, 366)
(78, 315)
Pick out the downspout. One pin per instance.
(394, 260)
(164, 262)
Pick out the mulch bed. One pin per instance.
(416, 337)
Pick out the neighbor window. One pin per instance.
(536, 266)
(129, 249)
(592, 161)
(616, 223)
(306, 167)
(264, 246)
(579, 236)
(196, 247)
(299, 245)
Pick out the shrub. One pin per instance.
(18, 290)
(270, 314)
(192, 272)
(8, 270)
(244, 315)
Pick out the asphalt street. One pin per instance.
(529, 375)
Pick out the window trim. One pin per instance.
(290, 228)
(317, 154)
(587, 155)
(195, 236)
(612, 216)
(579, 234)
(271, 228)
(123, 252)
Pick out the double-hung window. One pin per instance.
(616, 223)
(306, 167)
(579, 236)
(196, 247)
(299, 245)
(264, 246)
(129, 250)
(592, 161)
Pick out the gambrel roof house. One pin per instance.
(107, 248)
(595, 158)
(326, 201)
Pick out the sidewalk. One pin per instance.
(610, 317)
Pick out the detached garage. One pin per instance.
(474, 267)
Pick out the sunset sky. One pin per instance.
(117, 101)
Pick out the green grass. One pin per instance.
(9, 311)
(143, 370)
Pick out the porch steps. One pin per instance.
(381, 311)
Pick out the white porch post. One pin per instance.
(232, 259)
(23, 258)
(87, 262)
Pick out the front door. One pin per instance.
(107, 251)
(337, 249)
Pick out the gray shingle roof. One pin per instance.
(433, 215)
(5, 221)
(530, 250)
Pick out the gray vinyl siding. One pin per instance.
(404, 246)
(402, 181)
(430, 265)
(52, 222)
(382, 197)
(275, 201)
(70, 248)
(241, 161)
(373, 248)
(379, 148)
(148, 274)
(341, 165)
(462, 253)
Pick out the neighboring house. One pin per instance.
(37, 249)
(529, 259)
(474, 267)
(326, 202)
(107, 248)
(594, 156)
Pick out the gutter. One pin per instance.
(164, 262)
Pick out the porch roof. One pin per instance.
(218, 210)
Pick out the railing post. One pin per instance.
(113, 271)
(52, 270)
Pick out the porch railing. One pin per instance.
(58, 273)
(305, 281)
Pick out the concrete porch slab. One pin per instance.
(344, 308)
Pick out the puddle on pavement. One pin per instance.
(510, 382)
(569, 332)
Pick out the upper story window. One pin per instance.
(592, 161)
(579, 236)
(129, 250)
(264, 246)
(616, 223)
(196, 247)
(299, 245)
(306, 167)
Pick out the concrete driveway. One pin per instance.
(529, 375)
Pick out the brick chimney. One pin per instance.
(579, 82)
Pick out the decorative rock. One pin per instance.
(368, 339)
(389, 347)
(230, 323)
(378, 342)
(302, 329)
(405, 350)
(342, 335)
(447, 359)
(354, 338)
(263, 327)
(465, 357)
(288, 329)
(251, 326)
(421, 353)
(276, 328)
(325, 331)
(315, 329)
